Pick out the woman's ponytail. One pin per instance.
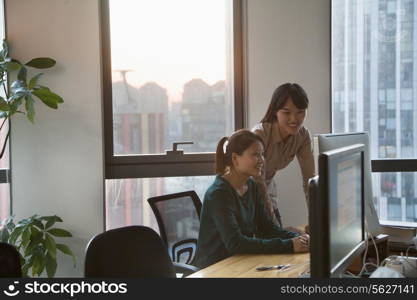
(221, 156)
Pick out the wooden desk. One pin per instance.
(244, 265)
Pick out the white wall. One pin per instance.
(57, 163)
(289, 41)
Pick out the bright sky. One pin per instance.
(161, 41)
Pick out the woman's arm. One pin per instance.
(222, 208)
(306, 160)
(266, 228)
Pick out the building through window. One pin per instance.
(374, 87)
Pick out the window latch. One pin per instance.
(174, 150)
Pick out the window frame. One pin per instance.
(193, 164)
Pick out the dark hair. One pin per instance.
(238, 142)
(280, 97)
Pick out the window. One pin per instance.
(373, 49)
(172, 72)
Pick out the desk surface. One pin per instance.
(244, 265)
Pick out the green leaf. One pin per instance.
(14, 106)
(45, 87)
(26, 237)
(4, 106)
(22, 75)
(51, 265)
(34, 80)
(36, 234)
(10, 224)
(41, 63)
(15, 234)
(59, 232)
(18, 89)
(38, 224)
(30, 108)
(34, 244)
(25, 269)
(21, 224)
(49, 98)
(64, 249)
(50, 245)
(38, 264)
(50, 220)
(29, 260)
(11, 66)
(5, 50)
(4, 235)
(55, 218)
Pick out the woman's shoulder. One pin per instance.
(263, 130)
(263, 126)
(304, 133)
(219, 188)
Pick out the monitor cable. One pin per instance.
(407, 259)
(364, 263)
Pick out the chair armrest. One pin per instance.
(185, 269)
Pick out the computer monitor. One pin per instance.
(337, 211)
(331, 141)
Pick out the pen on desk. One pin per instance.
(277, 267)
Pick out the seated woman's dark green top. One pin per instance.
(233, 224)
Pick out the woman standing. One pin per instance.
(233, 218)
(284, 137)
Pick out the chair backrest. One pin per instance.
(178, 217)
(132, 251)
(9, 261)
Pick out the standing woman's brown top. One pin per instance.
(278, 154)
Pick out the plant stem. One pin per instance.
(2, 124)
(5, 90)
(5, 143)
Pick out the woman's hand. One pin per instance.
(301, 243)
(294, 229)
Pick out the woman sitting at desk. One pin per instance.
(233, 218)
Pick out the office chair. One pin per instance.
(132, 251)
(178, 217)
(9, 261)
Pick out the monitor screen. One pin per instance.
(331, 141)
(345, 205)
(337, 211)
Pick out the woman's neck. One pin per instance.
(237, 181)
(284, 135)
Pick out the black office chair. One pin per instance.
(132, 251)
(9, 261)
(178, 217)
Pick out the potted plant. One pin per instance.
(19, 91)
(34, 239)
(34, 236)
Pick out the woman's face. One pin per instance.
(290, 118)
(251, 161)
